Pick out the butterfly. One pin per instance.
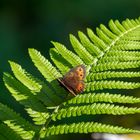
(73, 81)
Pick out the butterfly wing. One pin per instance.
(80, 72)
(73, 80)
(79, 87)
(66, 87)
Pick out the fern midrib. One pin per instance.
(111, 45)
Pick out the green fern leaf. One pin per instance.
(59, 61)
(87, 127)
(8, 133)
(116, 66)
(96, 108)
(109, 61)
(26, 98)
(47, 70)
(37, 87)
(80, 50)
(112, 60)
(103, 97)
(44, 66)
(27, 79)
(16, 123)
(94, 50)
(69, 56)
(100, 85)
(111, 74)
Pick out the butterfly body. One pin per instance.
(73, 81)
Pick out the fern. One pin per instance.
(95, 108)
(112, 61)
(17, 123)
(86, 128)
(8, 133)
(25, 97)
(103, 97)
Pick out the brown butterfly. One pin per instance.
(73, 81)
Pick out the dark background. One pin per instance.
(33, 24)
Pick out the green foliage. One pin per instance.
(112, 61)
(8, 133)
(24, 96)
(103, 97)
(87, 127)
(19, 125)
(95, 108)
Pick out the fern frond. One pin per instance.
(44, 66)
(114, 28)
(47, 70)
(111, 58)
(108, 32)
(103, 36)
(111, 74)
(120, 56)
(100, 85)
(103, 97)
(62, 64)
(86, 127)
(6, 133)
(116, 66)
(69, 56)
(92, 49)
(100, 43)
(128, 45)
(95, 108)
(104, 58)
(80, 50)
(128, 24)
(36, 110)
(16, 123)
(124, 53)
(37, 87)
(25, 77)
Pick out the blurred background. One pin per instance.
(34, 23)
